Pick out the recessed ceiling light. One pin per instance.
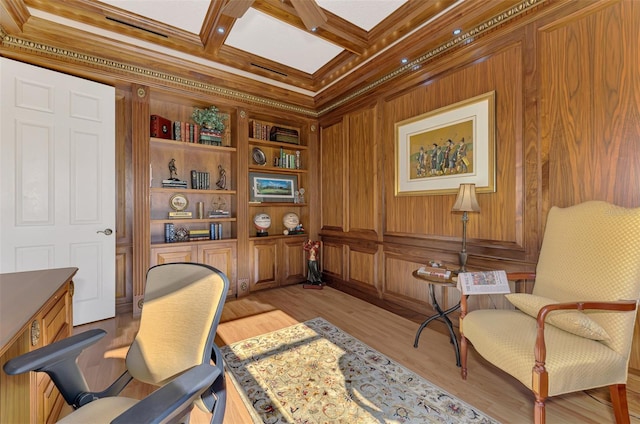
(404, 60)
(314, 29)
(220, 30)
(457, 31)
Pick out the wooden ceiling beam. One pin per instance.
(212, 39)
(236, 8)
(336, 30)
(13, 15)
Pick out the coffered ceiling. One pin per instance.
(314, 48)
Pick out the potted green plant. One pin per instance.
(209, 118)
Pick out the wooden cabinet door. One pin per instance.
(264, 259)
(223, 257)
(171, 254)
(292, 261)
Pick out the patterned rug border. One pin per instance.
(315, 324)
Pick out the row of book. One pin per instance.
(200, 180)
(288, 160)
(264, 131)
(171, 235)
(259, 130)
(183, 131)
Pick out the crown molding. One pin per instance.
(16, 43)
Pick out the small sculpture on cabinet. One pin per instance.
(314, 276)
(222, 180)
(173, 171)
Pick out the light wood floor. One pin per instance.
(486, 388)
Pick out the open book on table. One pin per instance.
(483, 282)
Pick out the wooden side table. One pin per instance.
(441, 315)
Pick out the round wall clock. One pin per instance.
(178, 202)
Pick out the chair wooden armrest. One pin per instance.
(540, 374)
(517, 276)
(540, 348)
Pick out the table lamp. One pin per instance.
(465, 202)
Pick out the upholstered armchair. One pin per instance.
(173, 349)
(574, 332)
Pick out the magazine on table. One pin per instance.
(483, 282)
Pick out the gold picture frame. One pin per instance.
(439, 150)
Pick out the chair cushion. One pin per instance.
(575, 322)
(506, 338)
(99, 411)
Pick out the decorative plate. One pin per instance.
(258, 156)
(178, 202)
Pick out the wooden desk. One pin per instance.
(35, 310)
(441, 315)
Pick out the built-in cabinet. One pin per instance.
(195, 222)
(277, 261)
(278, 155)
(261, 166)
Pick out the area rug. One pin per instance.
(316, 373)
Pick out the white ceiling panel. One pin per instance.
(184, 14)
(261, 35)
(364, 13)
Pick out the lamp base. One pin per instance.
(462, 257)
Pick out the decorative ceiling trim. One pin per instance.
(12, 41)
(67, 55)
(467, 37)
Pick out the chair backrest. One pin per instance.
(591, 251)
(182, 307)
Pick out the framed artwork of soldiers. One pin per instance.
(439, 150)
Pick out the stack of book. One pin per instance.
(434, 272)
(284, 135)
(219, 214)
(198, 235)
(174, 184)
(210, 137)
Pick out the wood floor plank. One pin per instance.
(487, 388)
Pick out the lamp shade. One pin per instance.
(466, 200)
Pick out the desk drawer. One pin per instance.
(55, 320)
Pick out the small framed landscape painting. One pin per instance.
(266, 187)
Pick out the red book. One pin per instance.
(160, 127)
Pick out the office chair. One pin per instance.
(574, 332)
(174, 348)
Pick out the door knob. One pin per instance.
(107, 232)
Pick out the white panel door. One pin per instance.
(57, 181)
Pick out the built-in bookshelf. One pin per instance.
(192, 187)
(278, 175)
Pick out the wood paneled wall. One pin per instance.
(567, 130)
